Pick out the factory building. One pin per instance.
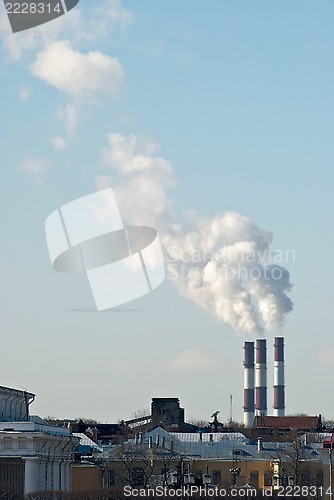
(166, 412)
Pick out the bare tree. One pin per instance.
(201, 424)
(295, 462)
(7, 493)
(167, 461)
(133, 464)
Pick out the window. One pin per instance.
(22, 444)
(7, 444)
(137, 476)
(305, 477)
(109, 476)
(12, 474)
(242, 453)
(216, 477)
(319, 477)
(254, 478)
(267, 478)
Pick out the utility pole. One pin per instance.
(330, 449)
(235, 471)
(330, 472)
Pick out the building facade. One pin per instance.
(33, 455)
(219, 459)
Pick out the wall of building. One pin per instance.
(45, 457)
(166, 412)
(86, 478)
(258, 473)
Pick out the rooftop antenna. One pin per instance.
(231, 407)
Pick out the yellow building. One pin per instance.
(220, 459)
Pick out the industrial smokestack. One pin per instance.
(249, 412)
(279, 389)
(261, 378)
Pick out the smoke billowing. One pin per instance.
(225, 263)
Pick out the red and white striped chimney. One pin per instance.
(249, 410)
(279, 389)
(261, 377)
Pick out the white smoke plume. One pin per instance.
(224, 264)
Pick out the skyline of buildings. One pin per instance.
(160, 449)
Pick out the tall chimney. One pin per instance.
(279, 389)
(249, 412)
(261, 378)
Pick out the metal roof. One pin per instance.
(293, 422)
(87, 442)
(239, 448)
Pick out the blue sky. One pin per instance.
(238, 96)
